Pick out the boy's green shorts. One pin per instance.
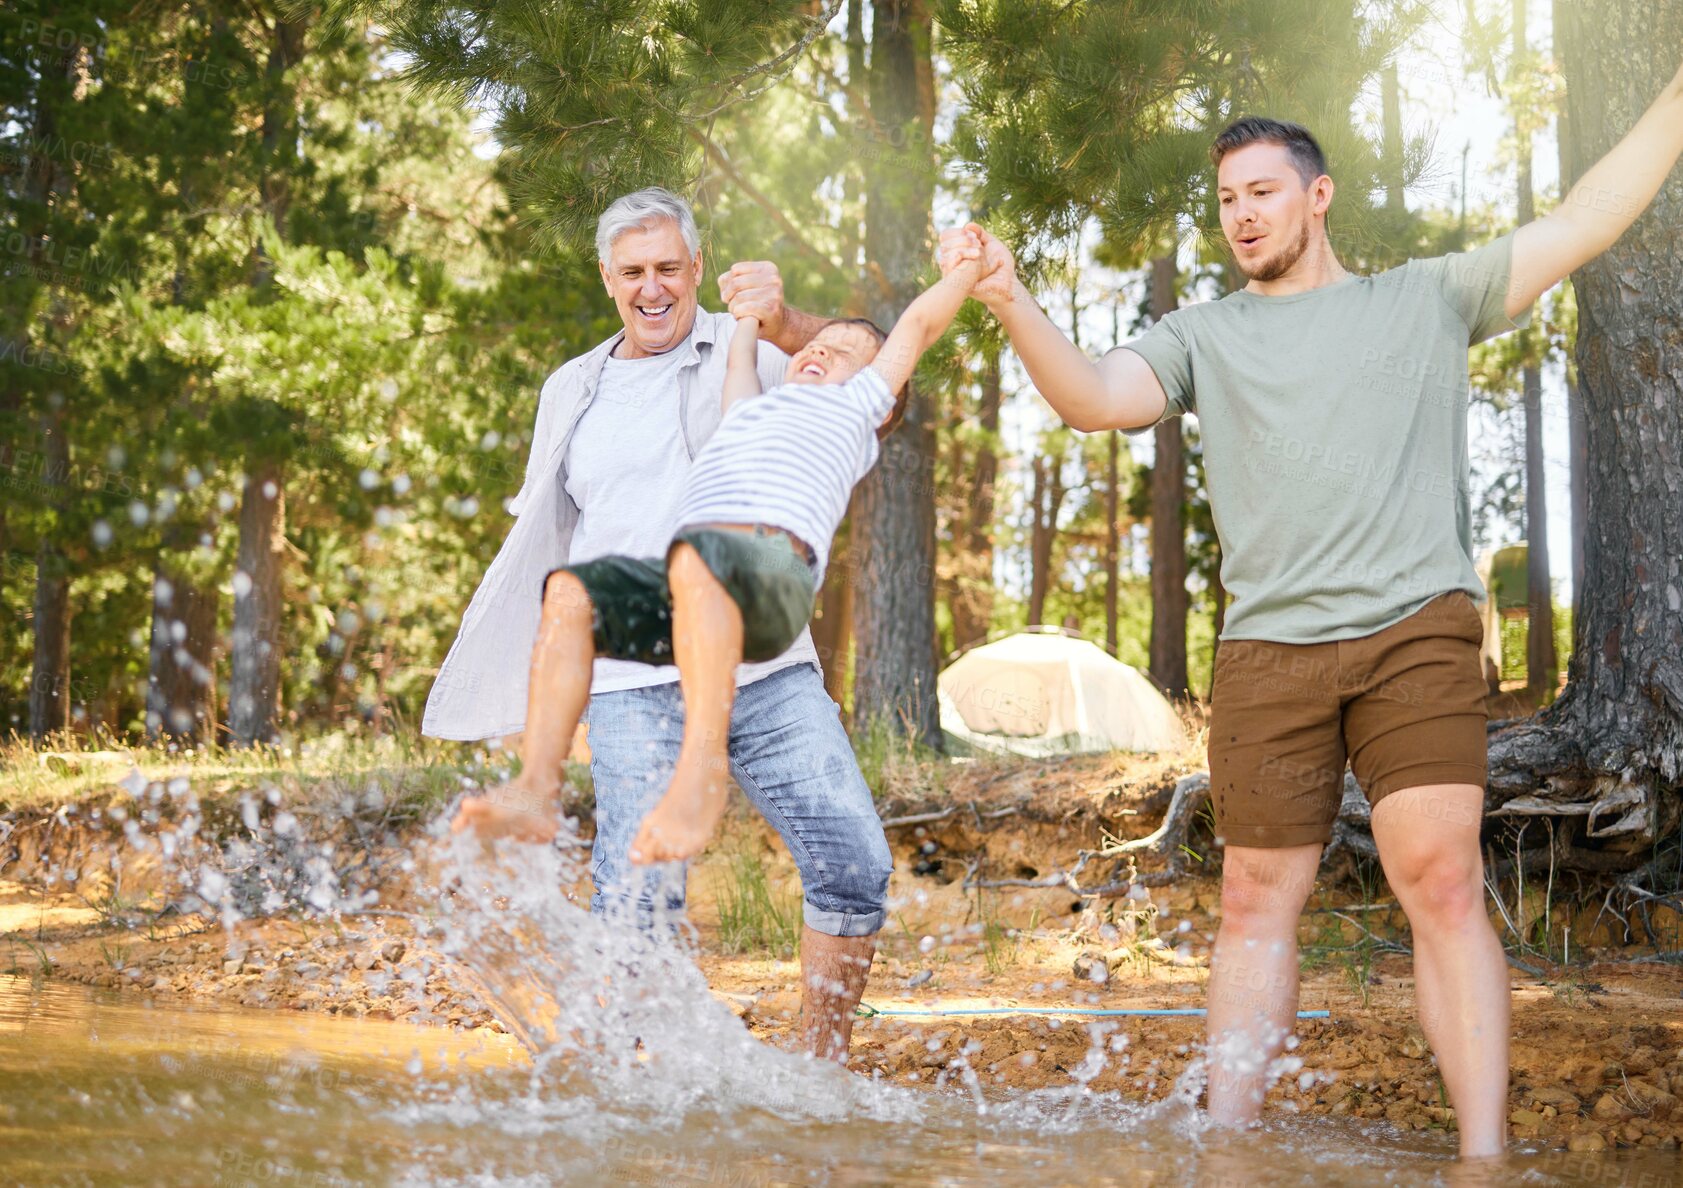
(763, 571)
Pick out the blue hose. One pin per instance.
(867, 1011)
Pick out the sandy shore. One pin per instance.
(1597, 1045)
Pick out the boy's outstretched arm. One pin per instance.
(927, 318)
(742, 375)
(1120, 391)
(1604, 203)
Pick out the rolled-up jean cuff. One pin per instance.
(843, 923)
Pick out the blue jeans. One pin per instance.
(788, 754)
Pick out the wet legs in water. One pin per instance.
(834, 970)
(1428, 844)
(1253, 988)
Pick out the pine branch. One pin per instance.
(786, 59)
(752, 193)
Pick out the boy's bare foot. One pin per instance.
(684, 821)
(511, 810)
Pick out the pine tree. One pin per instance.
(1614, 738)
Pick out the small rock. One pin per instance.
(1526, 1118)
(1651, 1097)
(1091, 967)
(920, 977)
(393, 951)
(1586, 1142)
(1415, 1046)
(1561, 1100)
(1641, 1060)
(232, 965)
(1610, 1109)
(365, 960)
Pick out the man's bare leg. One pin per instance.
(1428, 839)
(557, 690)
(1253, 989)
(834, 970)
(707, 644)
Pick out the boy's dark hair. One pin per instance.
(1306, 155)
(877, 331)
(900, 397)
(899, 413)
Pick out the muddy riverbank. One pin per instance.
(1598, 1035)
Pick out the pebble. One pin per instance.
(1609, 1108)
(1586, 1142)
(1561, 1100)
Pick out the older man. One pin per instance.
(617, 430)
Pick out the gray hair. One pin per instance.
(640, 208)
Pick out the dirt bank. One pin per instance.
(1598, 1040)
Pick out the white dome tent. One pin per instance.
(1042, 692)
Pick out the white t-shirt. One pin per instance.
(626, 466)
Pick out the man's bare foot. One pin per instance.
(684, 821)
(511, 810)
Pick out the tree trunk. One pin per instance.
(1542, 669)
(1046, 501)
(254, 682)
(1391, 115)
(254, 685)
(972, 596)
(832, 627)
(1168, 530)
(1614, 739)
(181, 686)
(1577, 433)
(49, 683)
(1112, 549)
(1577, 460)
(894, 607)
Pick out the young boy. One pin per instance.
(759, 511)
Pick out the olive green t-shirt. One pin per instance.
(1334, 428)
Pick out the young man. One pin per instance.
(737, 582)
(1333, 414)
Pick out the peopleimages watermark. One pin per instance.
(1354, 472)
(119, 63)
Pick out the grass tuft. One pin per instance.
(753, 917)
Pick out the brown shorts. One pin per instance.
(1405, 705)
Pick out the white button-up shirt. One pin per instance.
(480, 691)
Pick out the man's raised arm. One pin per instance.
(1120, 391)
(755, 287)
(1606, 200)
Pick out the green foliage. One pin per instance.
(752, 917)
(895, 764)
(595, 98)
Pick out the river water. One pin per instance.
(623, 1069)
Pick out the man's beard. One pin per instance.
(1281, 264)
